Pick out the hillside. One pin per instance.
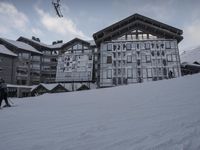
(162, 115)
(191, 56)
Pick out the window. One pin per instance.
(167, 45)
(138, 53)
(169, 57)
(119, 54)
(115, 64)
(149, 73)
(128, 46)
(157, 46)
(147, 46)
(75, 47)
(138, 46)
(133, 46)
(163, 53)
(174, 57)
(114, 55)
(109, 74)
(124, 46)
(119, 71)
(114, 47)
(148, 58)
(90, 57)
(152, 45)
(152, 53)
(158, 53)
(138, 72)
(109, 48)
(138, 62)
(79, 46)
(90, 65)
(115, 72)
(129, 73)
(173, 45)
(142, 45)
(109, 59)
(164, 62)
(129, 59)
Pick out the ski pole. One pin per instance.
(10, 101)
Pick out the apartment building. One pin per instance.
(27, 63)
(7, 61)
(137, 49)
(49, 57)
(76, 62)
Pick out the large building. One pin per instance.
(133, 50)
(26, 66)
(49, 57)
(7, 61)
(137, 49)
(76, 62)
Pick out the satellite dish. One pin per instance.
(56, 4)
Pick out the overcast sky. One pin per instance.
(82, 18)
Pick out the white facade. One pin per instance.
(124, 62)
(76, 65)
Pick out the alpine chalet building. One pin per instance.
(137, 49)
(75, 63)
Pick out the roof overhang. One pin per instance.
(140, 22)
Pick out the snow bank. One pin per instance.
(162, 115)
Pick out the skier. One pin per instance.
(3, 93)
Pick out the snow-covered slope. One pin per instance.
(162, 115)
(191, 56)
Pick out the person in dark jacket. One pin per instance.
(3, 93)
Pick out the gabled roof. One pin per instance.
(55, 46)
(140, 22)
(75, 40)
(20, 45)
(5, 51)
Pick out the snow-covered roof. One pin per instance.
(191, 56)
(47, 86)
(5, 51)
(92, 42)
(50, 86)
(19, 86)
(21, 45)
(55, 46)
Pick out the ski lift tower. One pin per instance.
(56, 4)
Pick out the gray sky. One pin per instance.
(82, 18)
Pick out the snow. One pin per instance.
(21, 45)
(191, 56)
(55, 46)
(4, 50)
(161, 115)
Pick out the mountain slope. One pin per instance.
(191, 56)
(155, 115)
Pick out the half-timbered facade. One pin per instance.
(137, 49)
(76, 62)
